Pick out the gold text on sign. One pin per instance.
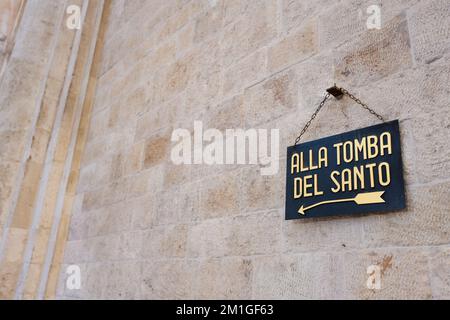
(358, 177)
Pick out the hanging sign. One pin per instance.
(350, 173)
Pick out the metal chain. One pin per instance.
(312, 118)
(351, 96)
(365, 106)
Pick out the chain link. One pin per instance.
(345, 92)
(365, 106)
(312, 118)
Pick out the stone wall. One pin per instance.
(44, 108)
(143, 227)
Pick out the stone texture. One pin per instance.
(219, 196)
(223, 279)
(430, 30)
(294, 48)
(166, 279)
(341, 22)
(417, 225)
(156, 149)
(142, 227)
(374, 55)
(245, 72)
(167, 241)
(306, 276)
(440, 274)
(253, 28)
(272, 98)
(404, 274)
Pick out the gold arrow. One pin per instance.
(361, 198)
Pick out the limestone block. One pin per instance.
(104, 248)
(219, 196)
(326, 234)
(75, 252)
(109, 219)
(7, 181)
(166, 279)
(185, 37)
(245, 72)
(404, 274)
(208, 238)
(305, 276)
(262, 192)
(156, 149)
(344, 21)
(19, 90)
(223, 279)
(295, 47)
(254, 29)
(177, 204)
(314, 75)
(176, 174)
(177, 19)
(13, 143)
(95, 279)
(429, 25)
(440, 274)
(272, 98)
(122, 281)
(129, 245)
(208, 23)
(295, 13)
(78, 228)
(205, 74)
(228, 115)
(9, 274)
(166, 241)
(418, 225)
(259, 233)
(430, 133)
(155, 119)
(375, 54)
(40, 29)
(47, 114)
(143, 211)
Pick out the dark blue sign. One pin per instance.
(350, 173)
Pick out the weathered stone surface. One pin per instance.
(223, 278)
(245, 72)
(155, 119)
(295, 13)
(143, 227)
(375, 54)
(430, 30)
(253, 29)
(156, 150)
(342, 22)
(177, 205)
(262, 192)
(317, 235)
(440, 273)
(272, 98)
(417, 225)
(227, 115)
(294, 48)
(306, 276)
(166, 279)
(122, 280)
(167, 241)
(404, 274)
(219, 196)
(208, 23)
